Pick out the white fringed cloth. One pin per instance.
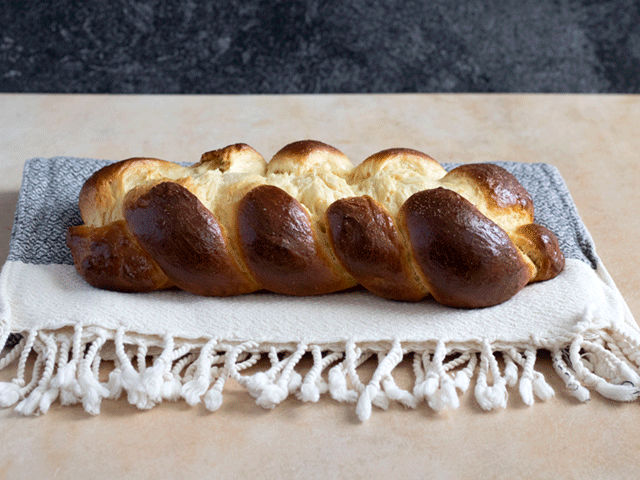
(173, 346)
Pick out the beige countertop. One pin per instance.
(594, 142)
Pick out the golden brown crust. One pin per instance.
(109, 257)
(303, 148)
(279, 245)
(308, 222)
(366, 242)
(467, 260)
(103, 191)
(540, 245)
(390, 161)
(375, 162)
(238, 157)
(309, 156)
(186, 240)
(500, 188)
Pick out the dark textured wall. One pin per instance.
(296, 46)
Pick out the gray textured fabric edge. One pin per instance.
(48, 205)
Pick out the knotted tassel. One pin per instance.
(490, 396)
(34, 402)
(438, 388)
(372, 391)
(65, 380)
(154, 377)
(193, 390)
(276, 392)
(31, 397)
(114, 384)
(12, 392)
(130, 378)
(629, 387)
(92, 390)
(463, 377)
(338, 385)
(573, 385)
(313, 385)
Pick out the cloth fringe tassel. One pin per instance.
(67, 368)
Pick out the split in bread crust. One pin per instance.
(308, 223)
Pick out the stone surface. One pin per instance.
(313, 46)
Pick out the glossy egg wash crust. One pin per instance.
(308, 223)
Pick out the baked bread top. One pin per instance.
(310, 222)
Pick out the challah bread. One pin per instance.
(308, 223)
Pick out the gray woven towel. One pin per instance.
(48, 205)
(194, 344)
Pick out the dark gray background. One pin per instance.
(151, 46)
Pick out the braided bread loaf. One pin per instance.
(310, 223)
